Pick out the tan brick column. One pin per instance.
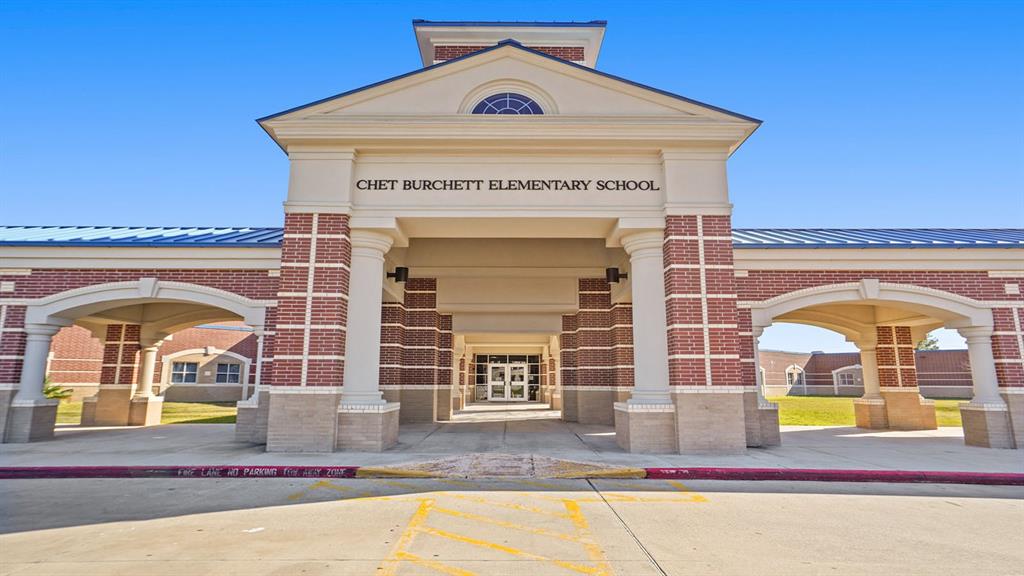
(905, 409)
(111, 405)
(309, 345)
(705, 368)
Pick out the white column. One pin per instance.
(756, 332)
(362, 340)
(147, 368)
(983, 366)
(869, 366)
(259, 332)
(33, 366)
(650, 338)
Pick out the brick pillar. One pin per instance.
(905, 409)
(1008, 356)
(309, 347)
(111, 405)
(444, 394)
(567, 347)
(705, 368)
(420, 351)
(12, 352)
(622, 348)
(760, 416)
(595, 368)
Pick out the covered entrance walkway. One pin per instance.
(528, 432)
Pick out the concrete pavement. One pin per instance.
(597, 527)
(515, 432)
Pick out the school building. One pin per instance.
(507, 223)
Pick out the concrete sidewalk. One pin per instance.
(528, 432)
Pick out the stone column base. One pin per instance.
(1015, 404)
(88, 417)
(6, 397)
(457, 403)
(31, 420)
(710, 422)
(987, 425)
(302, 419)
(646, 428)
(596, 406)
(367, 428)
(556, 401)
(145, 411)
(111, 407)
(768, 416)
(569, 405)
(870, 413)
(761, 421)
(907, 410)
(251, 421)
(444, 403)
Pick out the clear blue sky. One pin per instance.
(876, 114)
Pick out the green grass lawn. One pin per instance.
(174, 413)
(830, 411)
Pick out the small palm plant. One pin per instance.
(53, 391)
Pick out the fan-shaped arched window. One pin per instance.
(507, 103)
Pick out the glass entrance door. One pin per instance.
(517, 382)
(497, 384)
(506, 382)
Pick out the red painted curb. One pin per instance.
(37, 472)
(757, 474)
(822, 475)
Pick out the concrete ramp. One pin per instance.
(491, 465)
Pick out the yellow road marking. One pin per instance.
(391, 564)
(328, 485)
(504, 524)
(434, 564)
(388, 472)
(539, 484)
(510, 550)
(520, 507)
(583, 528)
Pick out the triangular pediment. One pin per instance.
(561, 88)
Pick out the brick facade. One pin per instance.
(312, 302)
(704, 341)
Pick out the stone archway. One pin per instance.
(888, 401)
(31, 416)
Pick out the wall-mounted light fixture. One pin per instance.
(613, 276)
(401, 274)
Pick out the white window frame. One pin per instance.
(231, 369)
(839, 372)
(184, 372)
(165, 373)
(801, 378)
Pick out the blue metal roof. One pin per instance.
(139, 236)
(878, 238)
(742, 238)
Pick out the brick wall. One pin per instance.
(704, 341)
(597, 341)
(416, 341)
(77, 357)
(449, 52)
(312, 310)
(935, 368)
